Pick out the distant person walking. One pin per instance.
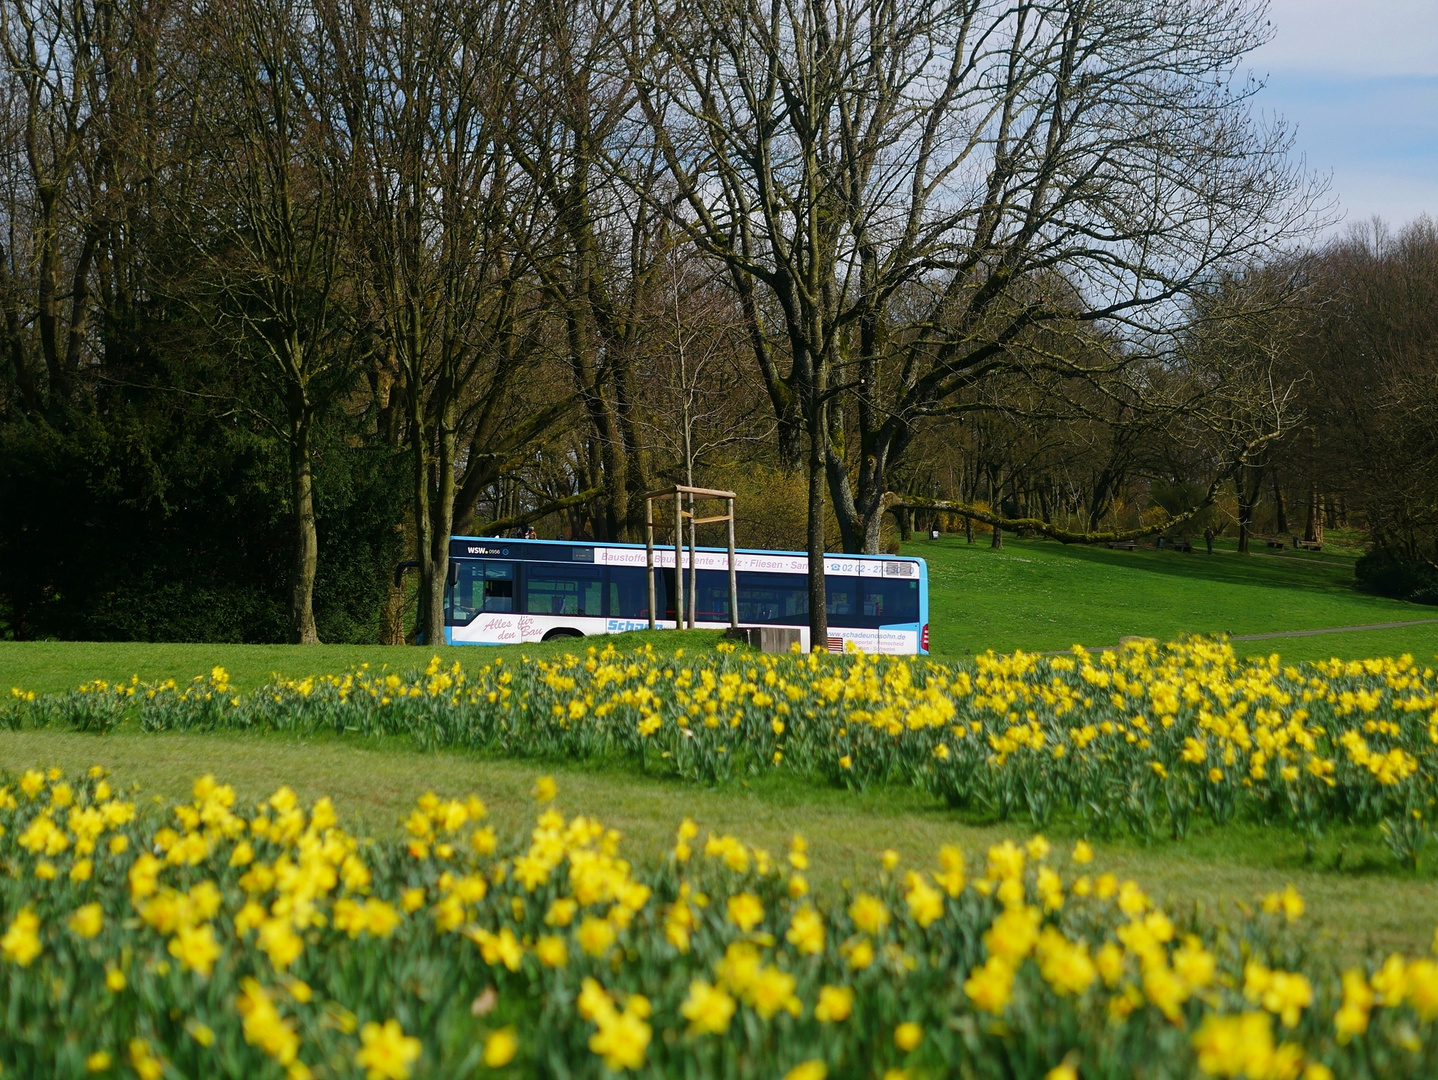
(1208, 538)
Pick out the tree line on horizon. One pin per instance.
(292, 291)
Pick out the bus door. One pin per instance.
(890, 603)
(862, 608)
(478, 587)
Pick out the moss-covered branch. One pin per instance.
(895, 501)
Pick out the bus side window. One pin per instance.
(871, 602)
(557, 589)
(839, 595)
(874, 599)
(476, 587)
(712, 601)
(902, 601)
(459, 593)
(891, 601)
(627, 597)
(772, 598)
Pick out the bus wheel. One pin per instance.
(561, 633)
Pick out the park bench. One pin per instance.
(1181, 545)
(1275, 542)
(1121, 545)
(1310, 545)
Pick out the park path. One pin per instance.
(1277, 634)
(1332, 630)
(1299, 560)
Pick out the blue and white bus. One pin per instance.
(503, 591)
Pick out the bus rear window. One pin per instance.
(885, 601)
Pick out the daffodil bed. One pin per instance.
(217, 940)
(1143, 738)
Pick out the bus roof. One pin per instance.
(516, 542)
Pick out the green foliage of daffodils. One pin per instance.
(212, 940)
(1143, 739)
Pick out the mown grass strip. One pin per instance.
(1353, 889)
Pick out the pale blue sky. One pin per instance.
(1360, 82)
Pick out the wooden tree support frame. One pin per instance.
(694, 494)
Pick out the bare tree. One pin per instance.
(1003, 157)
(600, 243)
(427, 95)
(693, 369)
(1239, 346)
(268, 219)
(1371, 350)
(56, 137)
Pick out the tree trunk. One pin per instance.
(391, 618)
(853, 529)
(877, 451)
(47, 297)
(419, 477)
(636, 475)
(441, 510)
(818, 598)
(860, 515)
(1099, 500)
(1279, 508)
(14, 339)
(613, 525)
(873, 520)
(1248, 497)
(788, 425)
(969, 529)
(996, 540)
(1313, 531)
(306, 543)
(906, 525)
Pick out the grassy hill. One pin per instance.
(1041, 595)
(1035, 595)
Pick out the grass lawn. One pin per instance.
(1041, 595)
(1035, 595)
(55, 666)
(1364, 903)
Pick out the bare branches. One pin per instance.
(543, 510)
(924, 188)
(1370, 353)
(1024, 258)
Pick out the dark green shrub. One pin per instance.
(1387, 573)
